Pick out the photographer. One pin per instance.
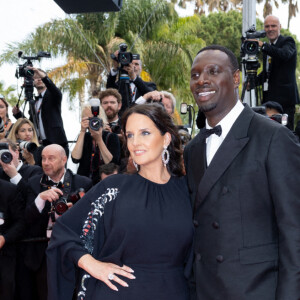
(94, 147)
(138, 87)
(5, 122)
(55, 186)
(15, 171)
(24, 134)
(279, 65)
(47, 110)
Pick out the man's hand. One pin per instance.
(9, 169)
(51, 194)
(15, 110)
(115, 64)
(28, 157)
(154, 95)
(37, 72)
(130, 70)
(107, 128)
(2, 241)
(260, 43)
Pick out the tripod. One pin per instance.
(125, 91)
(250, 67)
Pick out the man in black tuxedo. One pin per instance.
(16, 171)
(44, 190)
(279, 65)
(242, 175)
(47, 111)
(11, 230)
(138, 87)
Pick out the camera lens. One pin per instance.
(251, 47)
(5, 156)
(61, 206)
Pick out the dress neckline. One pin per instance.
(159, 184)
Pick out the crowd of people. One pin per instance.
(151, 214)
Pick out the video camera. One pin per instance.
(251, 47)
(24, 71)
(124, 57)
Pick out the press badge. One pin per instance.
(266, 85)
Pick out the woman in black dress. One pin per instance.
(130, 235)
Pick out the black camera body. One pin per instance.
(61, 206)
(5, 155)
(124, 57)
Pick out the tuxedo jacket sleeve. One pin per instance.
(12, 206)
(246, 207)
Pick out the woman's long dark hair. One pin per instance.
(163, 122)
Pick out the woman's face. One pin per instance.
(144, 141)
(25, 133)
(3, 110)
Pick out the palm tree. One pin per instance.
(7, 93)
(88, 40)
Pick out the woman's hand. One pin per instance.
(28, 157)
(106, 272)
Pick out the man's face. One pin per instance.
(213, 84)
(38, 83)
(272, 28)
(111, 107)
(137, 65)
(167, 102)
(53, 162)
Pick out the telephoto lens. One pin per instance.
(29, 146)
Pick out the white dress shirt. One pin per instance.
(213, 142)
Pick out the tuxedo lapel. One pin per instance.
(234, 142)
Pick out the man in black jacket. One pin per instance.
(11, 230)
(138, 87)
(47, 111)
(279, 66)
(16, 171)
(41, 212)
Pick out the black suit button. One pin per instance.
(216, 225)
(196, 224)
(219, 258)
(224, 190)
(198, 256)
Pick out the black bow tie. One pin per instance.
(38, 97)
(207, 132)
(59, 185)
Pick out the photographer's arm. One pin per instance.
(144, 87)
(105, 153)
(76, 154)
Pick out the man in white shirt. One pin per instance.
(242, 175)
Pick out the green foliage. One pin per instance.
(8, 94)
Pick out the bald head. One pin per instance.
(54, 160)
(272, 27)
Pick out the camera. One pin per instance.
(24, 71)
(251, 47)
(60, 206)
(124, 57)
(279, 118)
(115, 128)
(29, 146)
(1, 125)
(95, 122)
(5, 155)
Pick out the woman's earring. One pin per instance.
(165, 156)
(136, 165)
